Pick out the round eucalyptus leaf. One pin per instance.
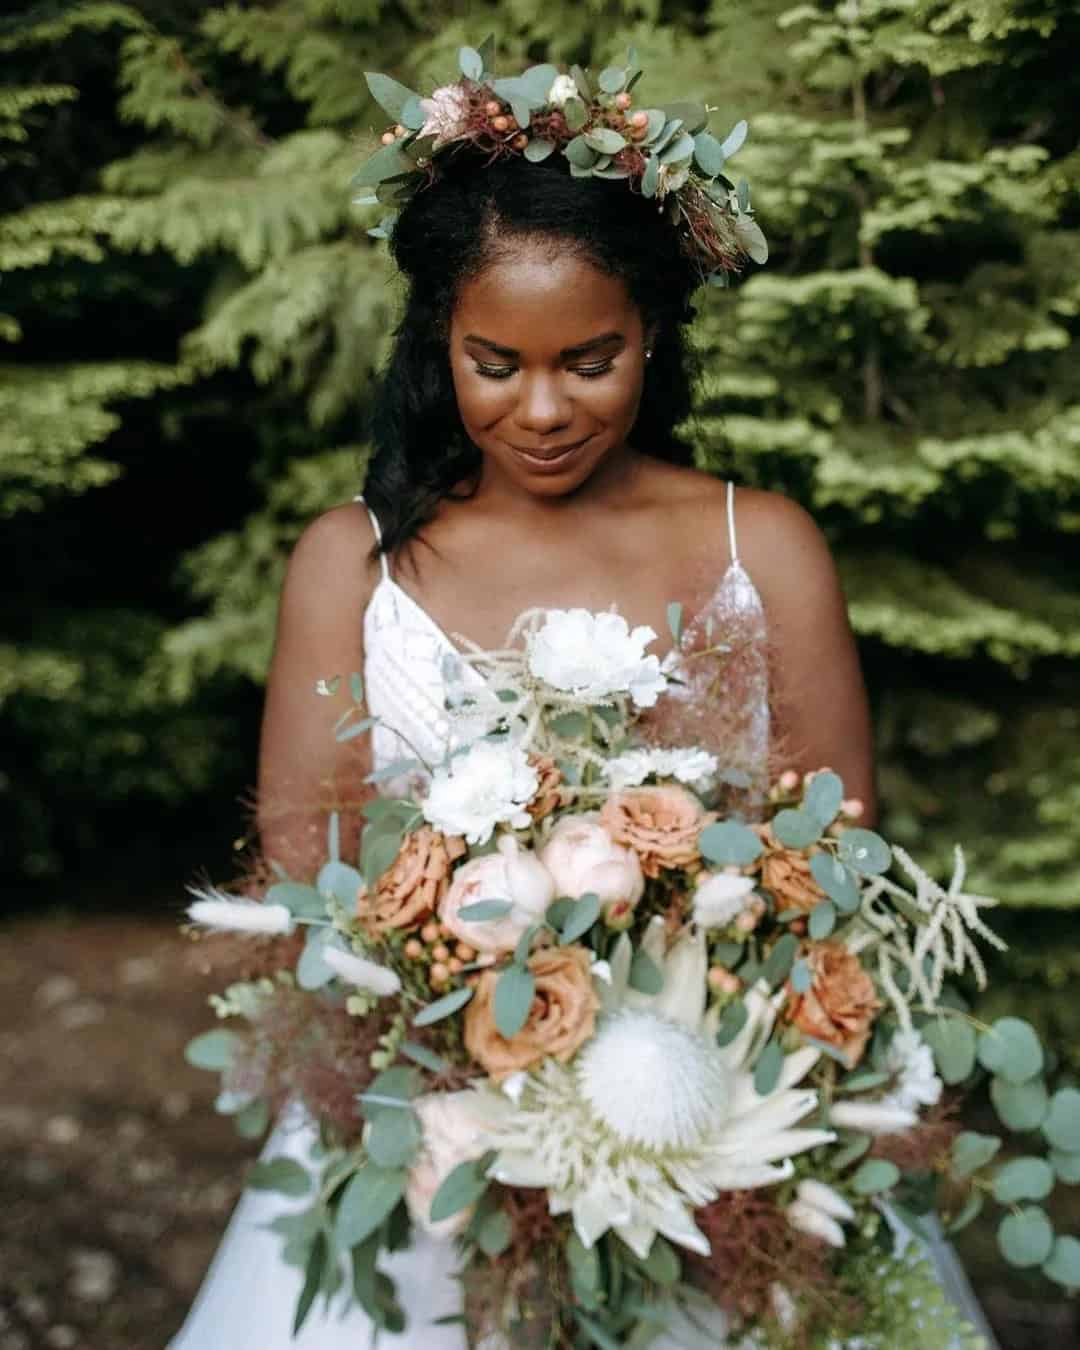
(612, 79)
(865, 851)
(727, 843)
(494, 1234)
(394, 1138)
(875, 1175)
(1066, 1166)
(970, 1209)
(1063, 1264)
(822, 920)
(952, 1039)
(1020, 1106)
(604, 140)
(1025, 1237)
(970, 1151)
(1010, 1048)
(823, 797)
(579, 153)
(768, 1068)
(734, 139)
(212, 1050)
(1062, 1123)
(732, 1020)
(513, 998)
(471, 63)
(538, 150)
(795, 829)
(1023, 1179)
(281, 1174)
(707, 152)
(837, 881)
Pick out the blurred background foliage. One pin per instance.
(192, 316)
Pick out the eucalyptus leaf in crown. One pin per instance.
(601, 127)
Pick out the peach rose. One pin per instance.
(840, 1004)
(661, 825)
(453, 1127)
(786, 872)
(408, 892)
(510, 873)
(562, 1016)
(583, 858)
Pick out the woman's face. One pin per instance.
(547, 354)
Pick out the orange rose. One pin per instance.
(661, 825)
(563, 1014)
(548, 794)
(786, 872)
(408, 891)
(840, 1004)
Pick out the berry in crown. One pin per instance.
(600, 126)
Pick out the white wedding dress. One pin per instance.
(249, 1295)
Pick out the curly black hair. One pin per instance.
(449, 232)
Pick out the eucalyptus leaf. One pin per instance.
(379, 849)
(281, 1174)
(313, 1276)
(514, 992)
(862, 1081)
(581, 918)
(442, 1007)
(971, 1150)
(692, 116)
(953, 1041)
(495, 1233)
(612, 80)
(482, 910)
(462, 1187)
(522, 110)
(1010, 1048)
(731, 1022)
(802, 977)
(536, 81)
(650, 178)
(1026, 1178)
(728, 843)
(1020, 1106)
(427, 1059)
(768, 1068)
(253, 1120)
(780, 960)
(471, 63)
(675, 621)
(605, 140)
(1066, 1166)
(662, 1264)
(734, 140)
(969, 1210)
(614, 174)
(654, 129)
(388, 94)
(354, 729)
(367, 1201)
(576, 114)
(1025, 1237)
(213, 1050)
(822, 920)
(874, 1176)
(679, 149)
(1063, 1264)
(850, 1151)
(837, 881)
(795, 829)
(1062, 1123)
(708, 153)
(645, 975)
(538, 150)
(394, 1138)
(312, 972)
(387, 162)
(823, 797)
(743, 195)
(341, 881)
(865, 851)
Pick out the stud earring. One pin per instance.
(648, 353)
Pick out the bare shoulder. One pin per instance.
(780, 543)
(331, 567)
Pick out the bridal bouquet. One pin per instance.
(660, 1072)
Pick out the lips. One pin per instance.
(549, 454)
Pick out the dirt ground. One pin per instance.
(116, 1176)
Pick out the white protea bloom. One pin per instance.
(652, 1120)
(911, 1061)
(563, 89)
(871, 1117)
(720, 897)
(214, 909)
(364, 974)
(695, 768)
(593, 656)
(489, 784)
(446, 114)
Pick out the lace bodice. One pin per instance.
(718, 698)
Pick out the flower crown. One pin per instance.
(666, 153)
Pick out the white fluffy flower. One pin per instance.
(693, 767)
(362, 973)
(215, 909)
(489, 784)
(593, 656)
(512, 873)
(720, 897)
(562, 90)
(911, 1060)
(446, 114)
(653, 1120)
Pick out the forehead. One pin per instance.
(543, 295)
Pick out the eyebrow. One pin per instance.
(579, 350)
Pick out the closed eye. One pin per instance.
(586, 372)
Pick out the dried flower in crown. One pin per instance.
(665, 152)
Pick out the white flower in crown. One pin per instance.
(652, 1119)
(489, 784)
(562, 91)
(446, 113)
(911, 1061)
(693, 767)
(592, 656)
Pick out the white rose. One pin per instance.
(446, 114)
(489, 784)
(562, 91)
(593, 656)
(719, 898)
(514, 874)
(582, 858)
(454, 1131)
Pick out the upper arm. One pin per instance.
(303, 770)
(820, 704)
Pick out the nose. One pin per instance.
(543, 406)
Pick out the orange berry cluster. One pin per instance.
(431, 947)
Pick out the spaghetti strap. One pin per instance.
(731, 521)
(378, 535)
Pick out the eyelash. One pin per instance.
(586, 372)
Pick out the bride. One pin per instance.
(526, 455)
